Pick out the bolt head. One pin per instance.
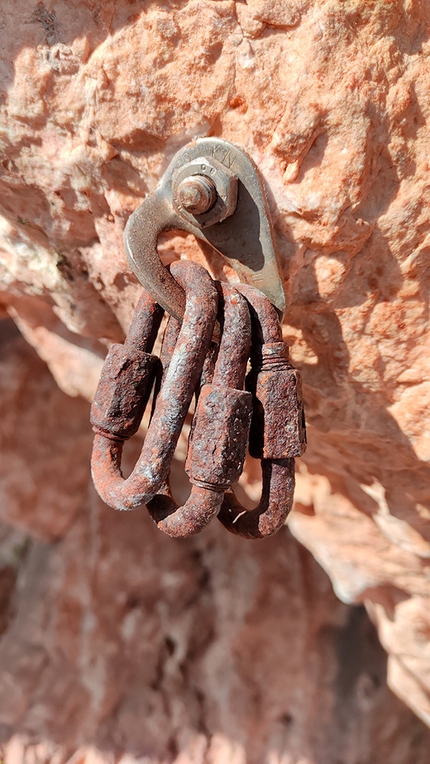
(198, 172)
(197, 194)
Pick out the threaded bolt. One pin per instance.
(197, 194)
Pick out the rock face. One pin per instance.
(330, 99)
(121, 644)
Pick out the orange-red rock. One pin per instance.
(331, 100)
(118, 643)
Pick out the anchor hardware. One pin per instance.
(237, 224)
(213, 190)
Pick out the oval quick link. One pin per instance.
(219, 432)
(278, 429)
(171, 405)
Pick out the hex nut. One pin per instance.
(226, 187)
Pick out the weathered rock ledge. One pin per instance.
(331, 100)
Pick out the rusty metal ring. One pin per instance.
(277, 474)
(172, 402)
(275, 504)
(207, 494)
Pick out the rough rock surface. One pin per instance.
(331, 99)
(121, 644)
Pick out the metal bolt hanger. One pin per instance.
(213, 190)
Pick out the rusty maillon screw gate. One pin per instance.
(213, 190)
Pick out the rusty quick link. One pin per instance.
(278, 428)
(220, 429)
(125, 385)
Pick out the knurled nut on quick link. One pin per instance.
(270, 355)
(127, 376)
